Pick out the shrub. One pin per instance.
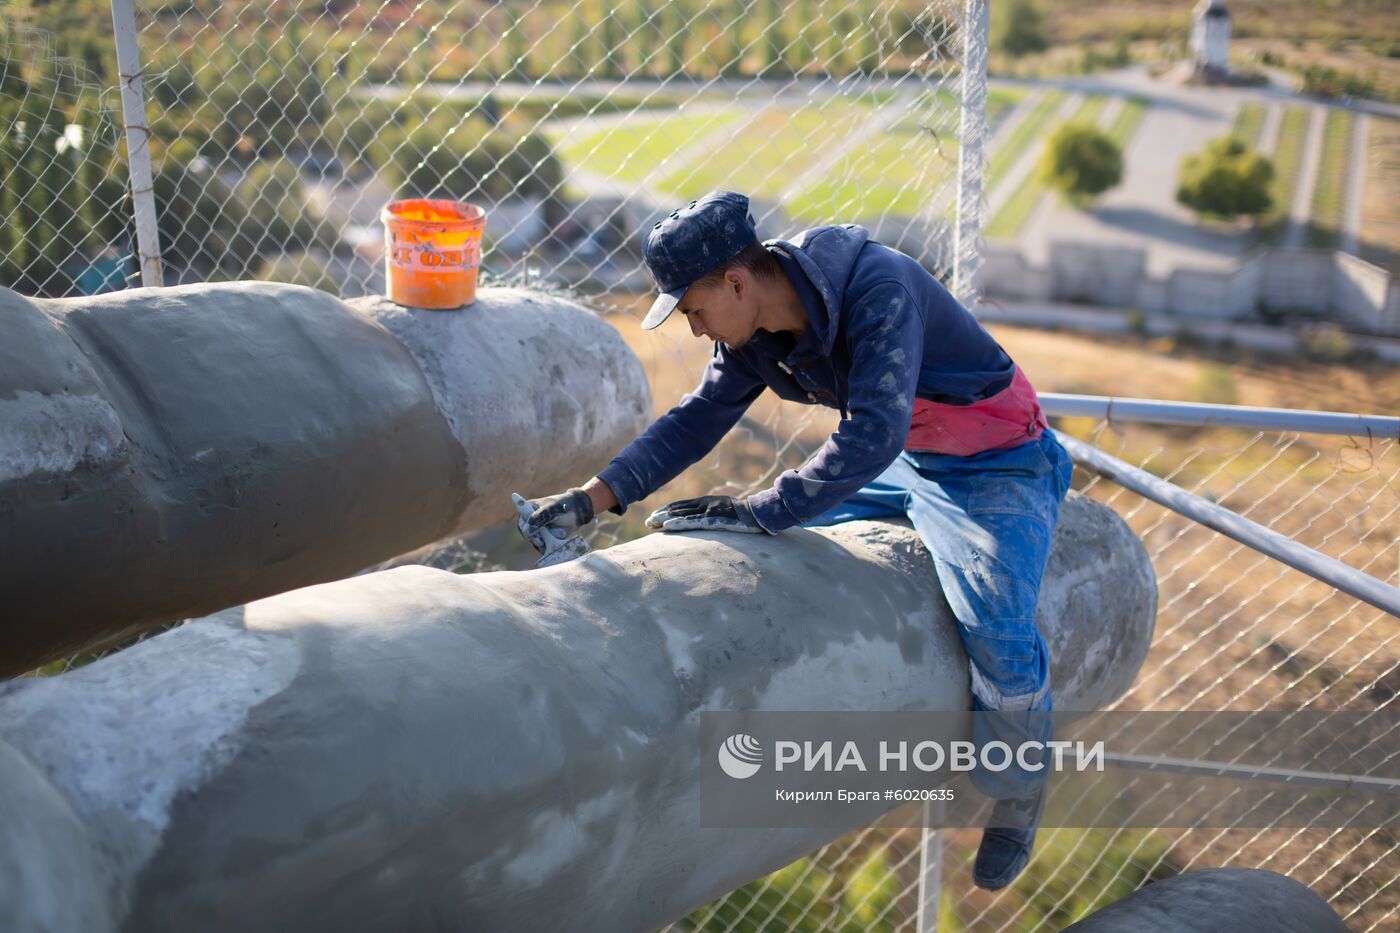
(470, 159)
(1227, 179)
(1215, 385)
(1019, 28)
(1329, 82)
(1137, 323)
(1326, 343)
(1082, 161)
(274, 200)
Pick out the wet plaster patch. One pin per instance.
(519, 376)
(127, 738)
(51, 435)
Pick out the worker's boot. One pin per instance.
(1007, 841)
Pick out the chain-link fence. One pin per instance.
(1235, 631)
(277, 132)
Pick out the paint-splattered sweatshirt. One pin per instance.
(882, 331)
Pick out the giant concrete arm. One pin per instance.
(168, 452)
(1217, 900)
(418, 750)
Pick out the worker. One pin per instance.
(937, 424)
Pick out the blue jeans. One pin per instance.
(987, 521)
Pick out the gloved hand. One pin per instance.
(567, 512)
(707, 513)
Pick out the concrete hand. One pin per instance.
(565, 513)
(707, 513)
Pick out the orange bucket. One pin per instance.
(432, 249)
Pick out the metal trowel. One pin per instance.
(554, 547)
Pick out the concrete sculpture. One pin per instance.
(1217, 900)
(414, 749)
(165, 453)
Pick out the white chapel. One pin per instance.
(1210, 40)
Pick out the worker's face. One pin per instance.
(725, 313)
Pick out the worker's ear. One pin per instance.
(735, 281)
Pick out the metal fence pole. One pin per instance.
(138, 141)
(967, 260)
(972, 133)
(930, 870)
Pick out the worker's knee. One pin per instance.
(1008, 675)
(1019, 764)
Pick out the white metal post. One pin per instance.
(972, 136)
(138, 141)
(930, 870)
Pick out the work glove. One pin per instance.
(566, 512)
(707, 513)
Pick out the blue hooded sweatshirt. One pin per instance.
(881, 331)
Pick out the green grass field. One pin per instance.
(1329, 197)
(897, 172)
(632, 151)
(1018, 208)
(772, 150)
(1288, 158)
(894, 170)
(1029, 129)
(1248, 122)
(1129, 118)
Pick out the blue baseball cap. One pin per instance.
(691, 241)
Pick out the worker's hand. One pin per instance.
(566, 512)
(707, 513)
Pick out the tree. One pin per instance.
(770, 45)
(1227, 179)
(470, 160)
(846, 55)
(1082, 161)
(1019, 28)
(866, 49)
(632, 37)
(573, 61)
(678, 26)
(274, 199)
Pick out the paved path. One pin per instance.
(1111, 109)
(581, 126)
(1350, 241)
(1025, 164)
(1019, 112)
(1105, 82)
(1301, 209)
